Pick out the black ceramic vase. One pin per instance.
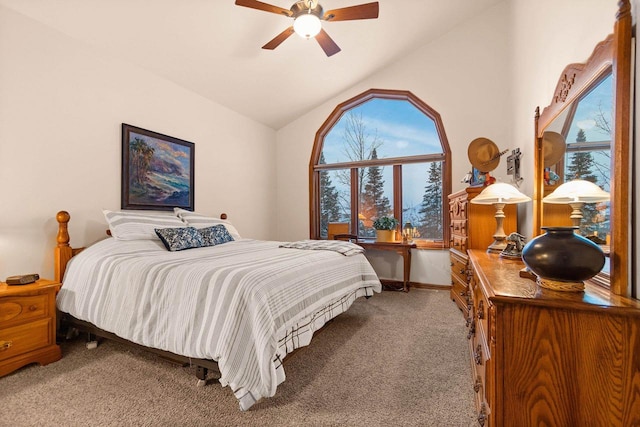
(562, 259)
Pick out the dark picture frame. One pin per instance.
(157, 170)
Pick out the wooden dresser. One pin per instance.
(28, 325)
(548, 358)
(472, 227)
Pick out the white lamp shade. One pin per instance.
(307, 25)
(577, 190)
(500, 192)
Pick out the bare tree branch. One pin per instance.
(603, 124)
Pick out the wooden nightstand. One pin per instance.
(28, 325)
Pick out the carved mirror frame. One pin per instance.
(615, 53)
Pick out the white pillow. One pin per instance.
(203, 221)
(138, 225)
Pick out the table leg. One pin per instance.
(407, 268)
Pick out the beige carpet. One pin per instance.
(394, 360)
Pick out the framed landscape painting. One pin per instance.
(157, 170)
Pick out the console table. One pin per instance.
(402, 249)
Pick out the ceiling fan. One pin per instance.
(307, 15)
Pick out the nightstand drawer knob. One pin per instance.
(5, 345)
(33, 307)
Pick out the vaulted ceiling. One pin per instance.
(213, 47)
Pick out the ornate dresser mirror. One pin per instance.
(590, 112)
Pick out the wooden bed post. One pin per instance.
(63, 251)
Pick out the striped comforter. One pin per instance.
(244, 304)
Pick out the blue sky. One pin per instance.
(405, 130)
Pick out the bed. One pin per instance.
(239, 306)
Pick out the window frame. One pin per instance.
(395, 162)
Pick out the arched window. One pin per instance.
(381, 153)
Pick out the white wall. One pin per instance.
(463, 75)
(61, 107)
(546, 36)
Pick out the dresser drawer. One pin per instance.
(480, 368)
(477, 364)
(461, 289)
(459, 243)
(458, 209)
(459, 294)
(459, 226)
(459, 267)
(14, 310)
(24, 338)
(481, 313)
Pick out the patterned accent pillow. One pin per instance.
(138, 225)
(178, 239)
(215, 235)
(199, 221)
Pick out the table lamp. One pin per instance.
(498, 195)
(576, 193)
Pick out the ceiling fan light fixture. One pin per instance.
(307, 25)
(307, 15)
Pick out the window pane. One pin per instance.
(422, 198)
(589, 139)
(593, 115)
(335, 198)
(589, 155)
(588, 165)
(375, 198)
(394, 128)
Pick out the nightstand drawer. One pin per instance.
(24, 338)
(14, 310)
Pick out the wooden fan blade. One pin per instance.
(326, 43)
(253, 4)
(362, 11)
(279, 39)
